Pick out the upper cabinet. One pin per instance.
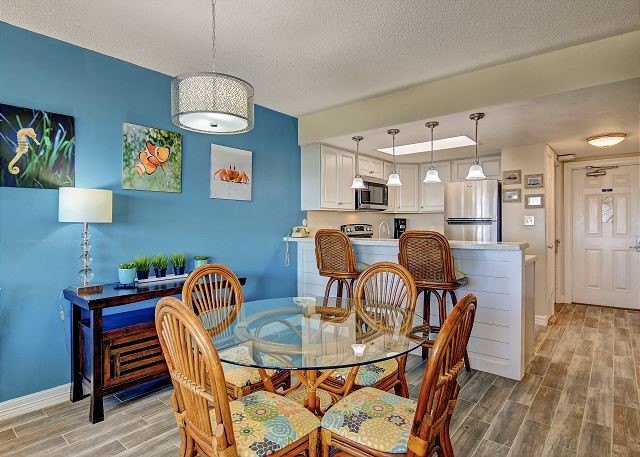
(490, 165)
(408, 194)
(326, 176)
(368, 166)
(432, 194)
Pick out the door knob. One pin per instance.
(636, 247)
(550, 246)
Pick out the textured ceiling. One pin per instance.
(306, 55)
(563, 121)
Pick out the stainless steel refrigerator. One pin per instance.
(472, 211)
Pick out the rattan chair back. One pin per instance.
(427, 256)
(198, 380)
(334, 254)
(439, 390)
(215, 294)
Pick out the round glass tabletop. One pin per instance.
(308, 333)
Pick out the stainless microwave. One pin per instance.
(375, 197)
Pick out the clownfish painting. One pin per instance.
(151, 158)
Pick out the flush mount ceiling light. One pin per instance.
(357, 180)
(438, 145)
(475, 171)
(607, 140)
(394, 177)
(432, 173)
(211, 102)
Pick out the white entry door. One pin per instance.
(606, 231)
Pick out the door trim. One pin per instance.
(569, 167)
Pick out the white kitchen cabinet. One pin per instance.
(326, 177)
(432, 194)
(368, 166)
(408, 195)
(490, 165)
(388, 168)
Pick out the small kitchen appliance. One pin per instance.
(399, 227)
(357, 230)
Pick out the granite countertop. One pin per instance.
(479, 245)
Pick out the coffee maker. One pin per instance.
(399, 226)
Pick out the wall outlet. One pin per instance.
(61, 314)
(529, 220)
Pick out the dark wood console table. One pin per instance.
(114, 352)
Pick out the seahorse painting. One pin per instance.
(23, 146)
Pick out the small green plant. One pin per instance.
(160, 261)
(142, 262)
(178, 259)
(200, 257)
(127, 266)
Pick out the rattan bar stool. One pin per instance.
(427, 256)
(336, 260)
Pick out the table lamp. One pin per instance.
(86, 206)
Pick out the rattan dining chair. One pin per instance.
(215, 294)
(389, 292)
(370, 422)
(427, 256)
(260, 423)
(336, 260)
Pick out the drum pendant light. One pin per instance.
(475, 171)
(432, 173)
(394, 177)
(357, 180)
(211, 102)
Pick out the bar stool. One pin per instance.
(336, 260)
(427, 256)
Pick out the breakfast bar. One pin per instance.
(499, 274)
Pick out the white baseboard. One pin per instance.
(34, 401)
(542, 320)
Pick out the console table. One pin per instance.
(117, 351)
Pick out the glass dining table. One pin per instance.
(314, 336)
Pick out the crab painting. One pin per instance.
(231, 175)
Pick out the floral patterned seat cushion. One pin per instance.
(368, 374)
(241, 376)
(373, 418)
(264, 423)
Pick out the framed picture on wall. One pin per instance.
(534, 181)
(511, 195)
(534, 201)
(511, 177)
(231, 173)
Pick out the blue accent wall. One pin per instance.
(39, 255)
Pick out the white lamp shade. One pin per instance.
(394, 180)
(358, 183)
(76, 204)
(432, 176)
(475, 172)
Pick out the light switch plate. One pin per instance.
(529, 220)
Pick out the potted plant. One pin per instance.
(160, 264)
(142, 264)
(127, 273)
(178, 260)
(199, 260)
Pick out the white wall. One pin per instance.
(529, 159)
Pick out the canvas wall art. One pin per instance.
(37, 148)
(151, 159)
(231, 173)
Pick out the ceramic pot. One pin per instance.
(199, 263)
(178, 270)
(143, 274)
(161, 272)
(126, 275)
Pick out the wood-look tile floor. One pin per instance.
(579, 398)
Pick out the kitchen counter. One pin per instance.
(500, 275)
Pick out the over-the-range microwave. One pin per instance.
(375, 197)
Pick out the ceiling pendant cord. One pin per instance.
(357, 180)
(213, 36)
(394, 177)
(475, 171)
(432, 174)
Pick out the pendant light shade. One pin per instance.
(475, 171)
(432, 174)
(394, 177)
(357, 180)
(212, 102)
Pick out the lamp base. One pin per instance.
(88, 290)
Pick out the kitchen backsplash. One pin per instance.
(334, 219)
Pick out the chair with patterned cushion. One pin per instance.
(388, 292)
(336, 260)
(371, 422)
(214, 293)
(257, 424)
(427, 256)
